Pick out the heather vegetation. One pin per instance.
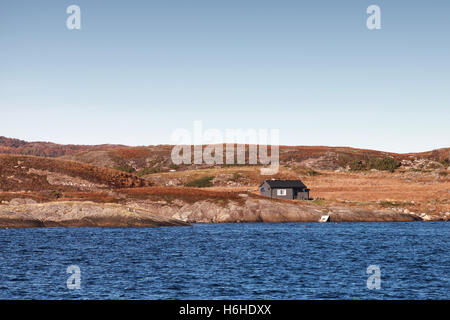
(37, 174)
(336, 176)
(134, 159)
(235, 177)
(389, 204)
(146, 171)
(203, 182)
(125, 168)
(382, 164)
(445, 162)
(312, 173)
(386, 164)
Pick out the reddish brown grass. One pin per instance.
(127, 153)
(18, 166)
(184, 193)
(99, 197)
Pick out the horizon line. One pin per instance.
(223, 143)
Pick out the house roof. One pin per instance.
(285, 183)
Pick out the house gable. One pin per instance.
(285, 189)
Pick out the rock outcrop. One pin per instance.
(149, 213)
(79, 214)
(264, 210)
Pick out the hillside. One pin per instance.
(41, 149)
(29, 173)
(347, 184)
(153, 159)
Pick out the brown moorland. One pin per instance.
(158, 158)
(38, 173)
(362, 184)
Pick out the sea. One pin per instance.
(399, 260)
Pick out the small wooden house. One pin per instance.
(285, 189)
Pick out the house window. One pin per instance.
(281, 192)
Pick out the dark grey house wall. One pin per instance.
(289, 193)
(303, 195)
(267, 191)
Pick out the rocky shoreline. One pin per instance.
(147, 213)
(79, 214)
(266, 210)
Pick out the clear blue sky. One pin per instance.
(137, 70)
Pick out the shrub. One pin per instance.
(357, 165)
(53, 194)
(385, 204)
(127, 169)
(312, 172)
(146, 171)
(318, 202)
(204, 182)
(384, 164)
(387, 164)
(445, 162)
(240, 165)
(235, 177)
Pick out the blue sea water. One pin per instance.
(229, 261)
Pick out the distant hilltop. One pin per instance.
(152, 159)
